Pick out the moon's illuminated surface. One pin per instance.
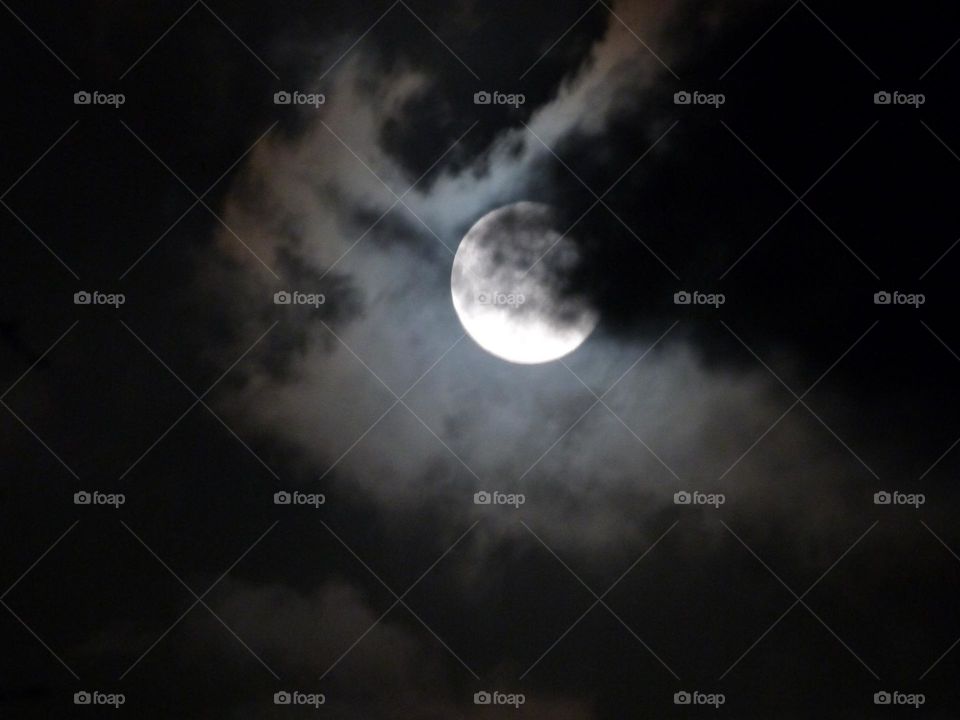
(510, 286)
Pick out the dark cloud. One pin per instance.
(312, 208)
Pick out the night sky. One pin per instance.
(184, 197)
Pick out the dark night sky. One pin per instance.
(199, 398)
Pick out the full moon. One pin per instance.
(511, 286)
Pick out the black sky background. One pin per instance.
(199, 99)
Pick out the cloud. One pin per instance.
(377, 667)
(306, 633)
(471, 422)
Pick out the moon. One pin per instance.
(511, 286)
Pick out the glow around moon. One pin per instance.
(511, 286)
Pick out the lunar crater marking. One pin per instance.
(511, 285)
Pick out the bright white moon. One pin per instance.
(511, 286)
